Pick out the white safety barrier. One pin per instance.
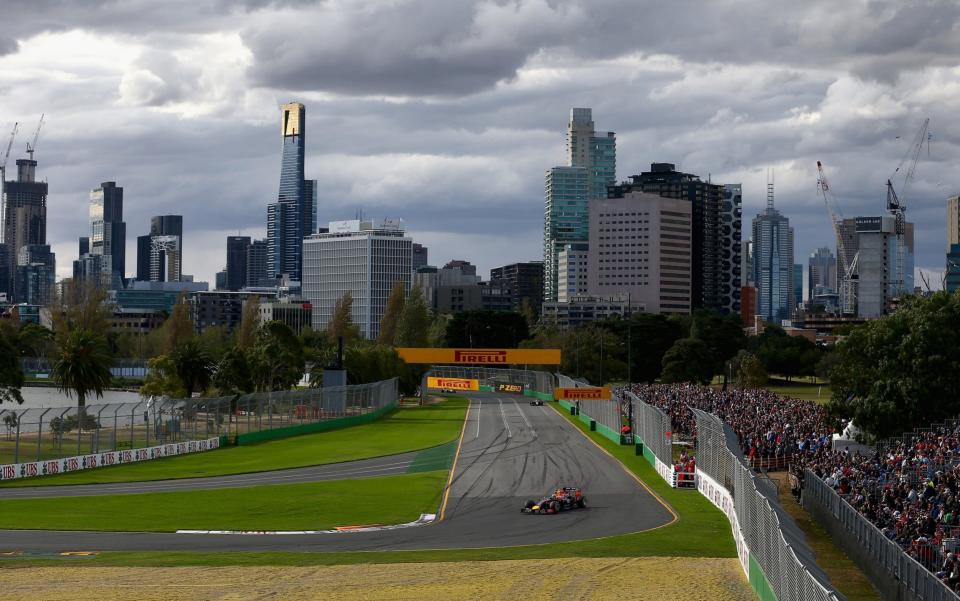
(49, 467)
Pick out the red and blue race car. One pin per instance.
(562, 499)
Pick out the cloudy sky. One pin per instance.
(446, 113)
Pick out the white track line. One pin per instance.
(479, 406)
(503, 416)
(524, 416)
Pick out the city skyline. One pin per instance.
(199, 140)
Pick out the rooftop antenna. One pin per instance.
(32, 147)
(770, 189)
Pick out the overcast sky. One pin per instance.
(446, 114)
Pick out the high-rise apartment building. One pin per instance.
(524, 281)
(24, 218)
(591, 167)
(797, 284)
(773, 263)
(572, 265)
(257, 263)
(237, 248)
(952, 279)
(567, 220)
(358, 257)
(104, 262)
(821, 273)
(294, 215)
(953, 221)
(716, 232)
(641, 248)
(36, 274)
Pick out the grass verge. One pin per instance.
(701, 531)
(406, 429)
(313, 506)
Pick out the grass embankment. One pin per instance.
(701, 530)
(313, 506)
(809, 391)
(844, 574)
(406, 429)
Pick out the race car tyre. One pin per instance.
(581, 503)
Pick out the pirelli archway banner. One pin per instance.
(453, 384)
(582, 394)
(480, 356)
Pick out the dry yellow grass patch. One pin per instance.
(653, 578)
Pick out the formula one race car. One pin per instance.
(562, 499)
(537, 403)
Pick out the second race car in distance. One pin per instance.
(562, 499)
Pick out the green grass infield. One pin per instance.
(313, 506)
(406, 429)
(701, 530)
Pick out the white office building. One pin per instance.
(359, 257)
(572, 272)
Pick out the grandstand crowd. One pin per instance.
(909, 488)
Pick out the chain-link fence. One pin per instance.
(905, 576)
(652, 425)
(534, 381)
(609, 413)
(56, 433)
(766, 536)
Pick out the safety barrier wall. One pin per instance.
(51, 467)
(537, 384)
(36, 435)
(772, 549)
(895, 574)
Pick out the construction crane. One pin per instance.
(32, 147)
(848, 291)
(897, 204)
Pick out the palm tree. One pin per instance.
(194, 366)
(83, 365)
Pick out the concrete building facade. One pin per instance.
(641, 248)
(359, 258)
(572, 265)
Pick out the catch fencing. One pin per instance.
(536, 384)
(41, 434)
(652, 427)
(894, 572)
(771, 548)
(605, 414)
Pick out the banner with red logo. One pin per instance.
(480, 356)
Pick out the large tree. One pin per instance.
(392, 313)
(413, 329)
(486, 329)
(249, 323)
(688, 360)
(178, 328)
(82, 365)
(232, 373)
(723, 334)
(11, 375)
(644, 338)
(902, 370)
(341, 321)
(193, 365)
(277, 359)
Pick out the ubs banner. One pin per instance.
(12, 471)
(480, 356)
(582, 394)
(453, 384)
(510, 387)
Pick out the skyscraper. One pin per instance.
(108, 233)
(953, 221)
(525, 282)
(591, 167)
(160, 253)
(294, 215)
(25, 217)
(773, 262)
(237, 248)
(716, 246)
(257, 263)
(36, 274)
(420, 256)
(797, 285)
(821, 273)
(876, 247)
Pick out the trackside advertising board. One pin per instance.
(454, 384)
(480, 356)
(49, 467)
(582, 394)
(510, 387)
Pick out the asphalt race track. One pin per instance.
(511, 452)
